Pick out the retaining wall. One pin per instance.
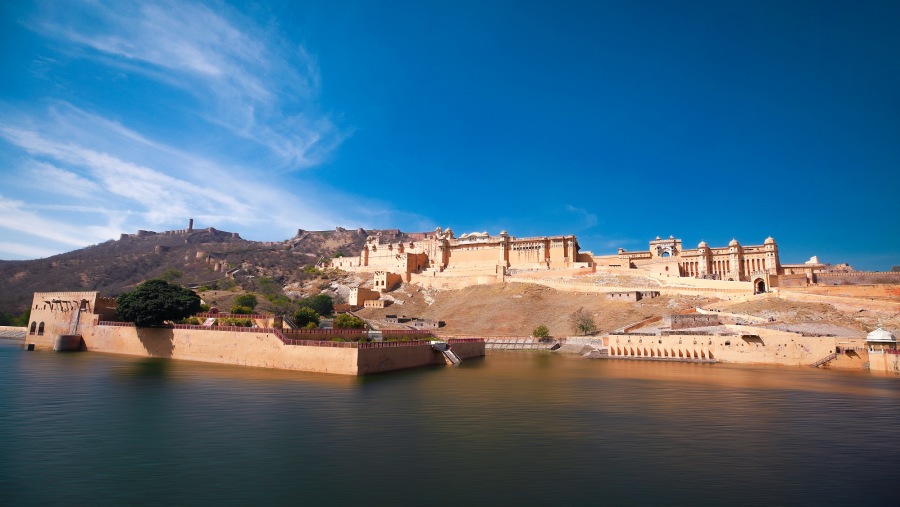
(260, 348)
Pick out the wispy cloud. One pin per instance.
(82, 177)
(15, 216)
(49, 178)
(26, 251)
(156, 183)
(586, 218)
(247, 78)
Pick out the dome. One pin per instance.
(702, 244)
(880, 335)
(769, 241)
(733, 243)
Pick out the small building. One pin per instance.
(881, 340)
(883, 354)
(630, 296)
(376, 303)
(386, 281)
(358, 296)
(424, 324)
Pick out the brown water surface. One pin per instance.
(515, 428)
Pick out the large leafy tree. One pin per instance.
(306, 317)
(321, 304)
(153, 302)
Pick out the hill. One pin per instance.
(192, 257)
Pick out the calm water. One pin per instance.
(515, 428)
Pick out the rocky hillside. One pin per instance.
(200, 257)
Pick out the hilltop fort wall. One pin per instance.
(180, 232)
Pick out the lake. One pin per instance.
(513, 428)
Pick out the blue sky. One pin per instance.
(614, 121)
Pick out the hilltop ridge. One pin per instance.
(198, 255)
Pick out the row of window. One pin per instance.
(40, 328)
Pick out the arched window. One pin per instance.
(33, 327)
(41, 329)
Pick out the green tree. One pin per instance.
(321, 304)
(305, 316)
(347, 321)
(241, 310)
(582, 323)
(248, 300)
(21, 320)
(153, 302)
(282, 305)
(541, 332)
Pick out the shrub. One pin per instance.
(347, 321)
(582, 323)
(236, 322)
(304, 317)
(321, 304)
(170, 275)
(248, 300)
(541, 332)
(241, 310)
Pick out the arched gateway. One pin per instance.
(759, 286)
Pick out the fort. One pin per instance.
(441, 260)
(67, 321)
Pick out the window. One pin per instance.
(33, 327)
(41, 329)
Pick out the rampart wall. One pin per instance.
(743, 344)
(585, 286)
(858, 277)
(260, 348)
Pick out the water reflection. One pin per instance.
(513, 428)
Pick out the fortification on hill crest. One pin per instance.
(444, 260)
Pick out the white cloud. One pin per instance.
(18, 250)
(133, 182)
(247, 79)
(49, 178)
(15, 216)
(84, 177)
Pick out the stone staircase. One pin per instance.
(825, 360)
